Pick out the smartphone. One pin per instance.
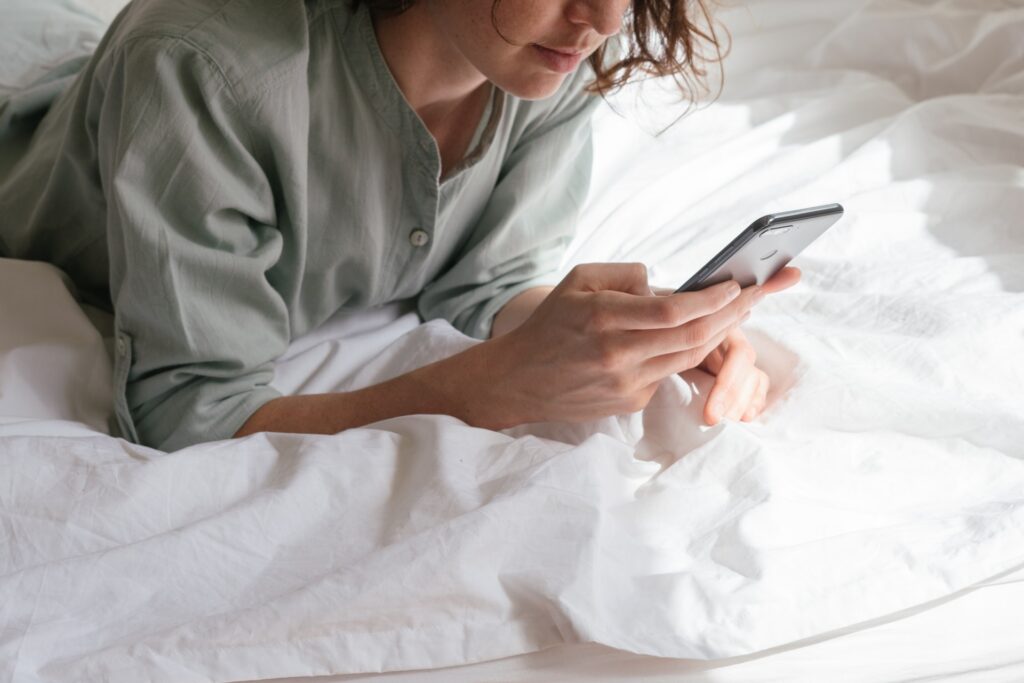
(765, 247)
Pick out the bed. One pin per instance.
(868, 527)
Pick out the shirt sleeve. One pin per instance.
(529, 220)
(191, 239)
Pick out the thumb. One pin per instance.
(784, 279)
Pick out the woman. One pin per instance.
(226, 175)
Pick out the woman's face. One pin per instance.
(540, 41)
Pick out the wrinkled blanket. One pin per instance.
(887, 471)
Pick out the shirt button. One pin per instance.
(122, 346)
(419, 237)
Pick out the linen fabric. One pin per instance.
(238, 171)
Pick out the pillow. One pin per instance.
(37, 36)
(54, 365)
(44, 44)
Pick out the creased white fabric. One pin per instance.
(887, 472)
(53, 362)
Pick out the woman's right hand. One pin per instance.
(600, 344)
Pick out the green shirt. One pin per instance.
(226, 175)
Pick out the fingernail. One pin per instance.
(734, 291)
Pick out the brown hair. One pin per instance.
(663, 38)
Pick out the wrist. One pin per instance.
(470, 386)
(517, 310)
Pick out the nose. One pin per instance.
(604, 16)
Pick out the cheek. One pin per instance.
(478, 39)
(506, 58)
(527, 21)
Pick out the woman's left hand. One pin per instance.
(741, 389)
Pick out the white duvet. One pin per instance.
(887, 472)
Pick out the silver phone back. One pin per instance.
(766, 247)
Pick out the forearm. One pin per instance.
(516, 311)
(455, 386)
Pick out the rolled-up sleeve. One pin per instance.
(191, 240)
(529, 220)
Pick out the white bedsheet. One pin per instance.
(887, 473)
(974, 637)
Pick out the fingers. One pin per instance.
(744, 399)
(760, 398)
(745, 396)
(784, 279)
(735, 384)
(659, 367)
(714, 360)
(695, 333)
(630, 278)
(623, 299)
(740, 389)
(620, 311)
(694, 305)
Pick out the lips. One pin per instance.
(561, 60)
(564, 50)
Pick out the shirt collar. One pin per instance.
(359, 42)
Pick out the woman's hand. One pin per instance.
(599, 344)
(740, 389)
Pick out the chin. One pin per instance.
(537, 87)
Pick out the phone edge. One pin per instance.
(764, 221)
